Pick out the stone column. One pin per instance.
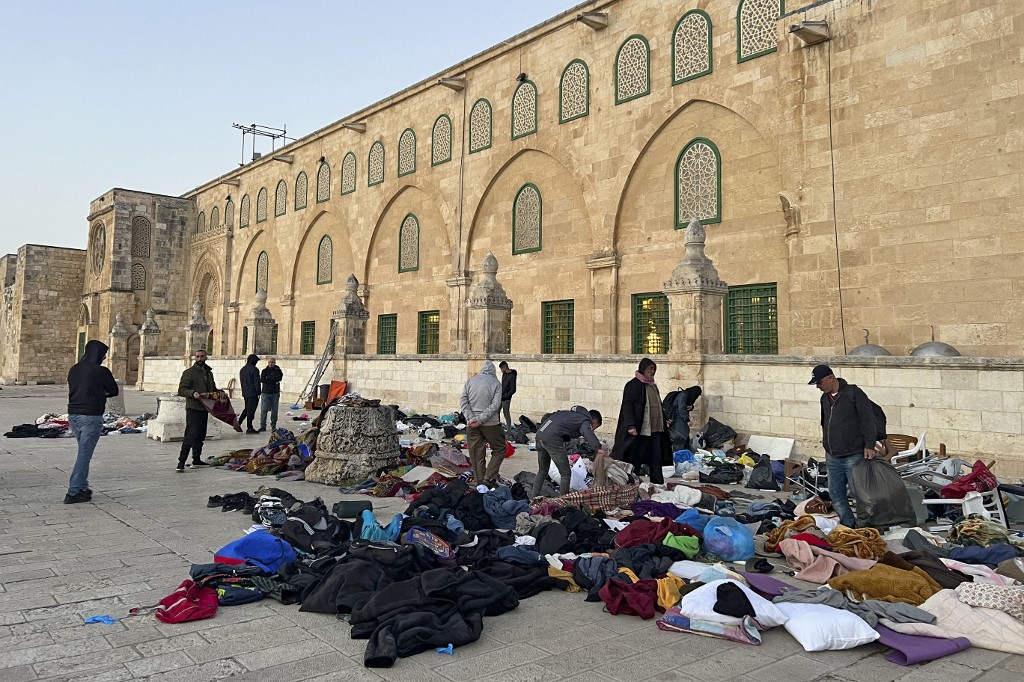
(292, 341)
(604, 286)
(457, 325)
(695, 297)
(349, 320)
(260, 324)
(149, 344)
(196, 331)
(117, 355)
(232, 324)
(489, 311)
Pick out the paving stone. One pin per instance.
(268, 656)
(999, 675)
(726, 665)
(207, 672)
(587, 657)
(85, 662)
(10, 658)
(159, 664)
(158, 647)
(314, 666)
(982, 659)
(791, 669)
(943, 669)
(21, 673)
(530, 672)
(650, 664)
(566, 639)
(871, 669)
(472, 667)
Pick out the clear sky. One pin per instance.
(96, 94)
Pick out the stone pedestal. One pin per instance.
(457, 324)
(490, 312)
(695, 299)
(116, 404)
(169, 424)
(604, 283)
(117, 354)
(353, 443)
(261, 326)
(149, 344)
(197, 331)
(349, 320)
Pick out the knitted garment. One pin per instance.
(887, 583)
(864, 543)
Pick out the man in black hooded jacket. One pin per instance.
(89, 386)
(249, 377)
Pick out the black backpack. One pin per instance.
(670, 399)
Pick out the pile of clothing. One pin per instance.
(286, 455)
(52, 425)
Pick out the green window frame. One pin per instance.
(348, 174)
(562, 118)
(307, 338)
(243, 211)
(650, 324)
(262, 272)
(323, 182)
(371, 168)
(711, 54)
(683, 221)
(739, 31)
(410, 224)
(558, 327)
(618, 55)
(752, 320)
(435, 158)
(280, 199)
(540, 220)
(428, 337)
(324, 260)
(245, 340)
(261, 205)
(301, 190)
(81, 344)
(398, 157)
(522, 90)
(387, 334)
(273, 340)
(475, 147)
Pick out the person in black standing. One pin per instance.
(89, 386)
(196, 382)
(249, 378)
(641, 436)
(270, 377)
(508, 389)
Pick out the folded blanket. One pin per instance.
(984, 628)
(887, 583)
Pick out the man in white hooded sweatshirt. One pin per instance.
(480, 402)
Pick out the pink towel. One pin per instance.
(817, 565)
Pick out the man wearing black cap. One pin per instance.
(848, 433)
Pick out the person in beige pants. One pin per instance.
(480, 402)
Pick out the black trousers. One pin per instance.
(251, 403)
(647, 450)
(195, 434)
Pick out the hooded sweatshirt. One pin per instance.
(481, 396)
(89, 382)
(249, 377)
(564, 425)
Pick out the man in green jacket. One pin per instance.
(196, 382)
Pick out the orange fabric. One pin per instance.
(338, 389)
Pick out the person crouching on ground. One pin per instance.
(89, 386)
(640, 435)
(480, 401)
(553, 434)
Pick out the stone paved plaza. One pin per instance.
(133, 545)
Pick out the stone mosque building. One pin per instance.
(844, 166)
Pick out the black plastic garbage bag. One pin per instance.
(716, 433)
(881, 496)
(762, 477)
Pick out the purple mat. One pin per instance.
(913, 649)
(765, 585)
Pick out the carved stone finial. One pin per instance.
(197, 320)
(488, 293)
(791, 211)
(261, 297)
(119, 328)
(351, 305)
(695, 271)
(150, 326)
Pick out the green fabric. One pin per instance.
(687, 544)
(196, 379)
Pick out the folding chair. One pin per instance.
(988, 504)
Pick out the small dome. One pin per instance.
(869, 349)
(935, 349)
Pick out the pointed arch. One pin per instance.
(698, 183)
(301, 191)
(441, 141)
(527, 220)
(385, 221)
(348, 174)
(375, 164)
(323, 182)
(263, 272)
(524, 110)
(574, 91)
(632, 69)
(341, 250)
(324, 260)
(480, 126)
(409, 244)
(407, 152)
(692, 47)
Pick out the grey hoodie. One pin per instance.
(481, 396)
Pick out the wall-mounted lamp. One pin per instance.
(811, 32)
(358, 127)
(323, 159)
(227, 198)
(458, 83)
(234, 182)
(284, 158)
(595, 20)
(521, 78)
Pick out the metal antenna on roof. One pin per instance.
(257, 130)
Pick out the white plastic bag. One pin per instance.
(579, 475)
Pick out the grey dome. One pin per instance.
(935, 349)
(869, 349)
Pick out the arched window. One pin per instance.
(138, 277)
(262, 271)
(524, 110)
(375, 164)
(324, 261)
(243, 212)
(755, 28)
(480, 126)
(301, 190)
(632, 69)
(261, 205)
(201, 223)
(323, 182)
(691, 47)
(527, 218)
(407, 152)
(140, 237)
(214, 218)
(280, 199)
(574, 92)
(348, 174)
(409, 244)
(229, 213)
(441, 141)
(699, 183)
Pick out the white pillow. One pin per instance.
(822, 628)
(700, 605)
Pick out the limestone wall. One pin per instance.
(162, 374)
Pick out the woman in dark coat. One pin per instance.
(641, 435)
